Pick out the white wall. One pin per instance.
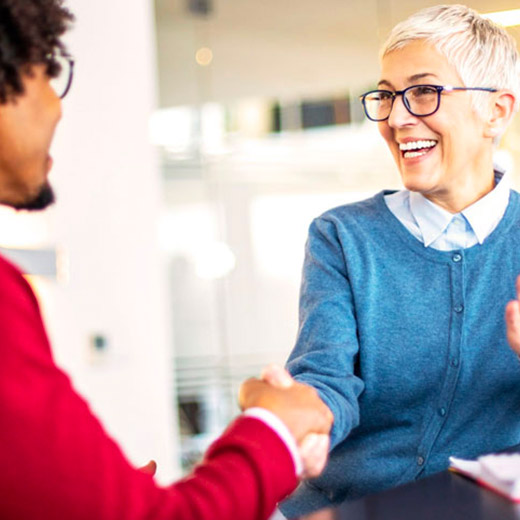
(109, 195)
(270, 49)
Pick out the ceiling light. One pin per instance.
(505, 18)
(204, 56)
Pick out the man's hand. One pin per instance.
(513, 320)
(314, 448)
(150, 468)
(299, 407)
(296, 404)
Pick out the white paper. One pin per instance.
(501, 472)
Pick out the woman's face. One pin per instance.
(460, 161)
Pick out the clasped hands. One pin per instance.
(304, 413)
(299, 407)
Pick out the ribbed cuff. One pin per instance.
(278, 426)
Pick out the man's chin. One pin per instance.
(44, 198)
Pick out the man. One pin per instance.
(57, 461)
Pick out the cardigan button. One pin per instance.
(456, 257)
(420, 460)
(458, 308)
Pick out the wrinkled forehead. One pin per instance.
(416, 79)
(418, 62)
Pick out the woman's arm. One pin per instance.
(327, 344)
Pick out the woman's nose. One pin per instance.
(399, 114)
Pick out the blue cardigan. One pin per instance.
(407, 347)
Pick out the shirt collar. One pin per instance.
(483, 215)
(431, 219)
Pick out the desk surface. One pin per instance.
(443, 496)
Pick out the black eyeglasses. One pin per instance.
(61, 72)
(419, 100)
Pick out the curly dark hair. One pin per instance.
(30, 33)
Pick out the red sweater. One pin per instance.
(57, 462)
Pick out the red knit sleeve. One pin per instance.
(57, 462)
(245, 473)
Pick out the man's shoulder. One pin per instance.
(15, 288)
(8, 269)
(10, 273)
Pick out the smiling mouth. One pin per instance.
(417, 148)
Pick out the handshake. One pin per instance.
(299, 407)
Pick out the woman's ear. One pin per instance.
(500, 114)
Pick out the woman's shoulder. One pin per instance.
(360, 220)
(368, 209)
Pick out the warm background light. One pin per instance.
(505, 18)
(204, 56)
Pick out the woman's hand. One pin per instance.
(513, 320)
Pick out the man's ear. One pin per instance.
(501, 111)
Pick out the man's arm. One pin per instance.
(58, 462)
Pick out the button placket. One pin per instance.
(453, 361)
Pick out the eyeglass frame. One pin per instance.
(394, 94)
(71, 75)
(71, 72)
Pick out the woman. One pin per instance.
(402, 303)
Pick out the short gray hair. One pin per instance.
(483, 53)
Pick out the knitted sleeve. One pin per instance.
(327, 343)
(58, 462)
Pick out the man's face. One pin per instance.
(27, 124)
(447, 169)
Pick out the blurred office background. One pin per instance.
(198, 141)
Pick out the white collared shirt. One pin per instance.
(438, 228)
(276, 424)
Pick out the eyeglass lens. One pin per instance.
(421, 100)
(62, 75)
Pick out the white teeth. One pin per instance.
(414, 154)
(416, 145)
